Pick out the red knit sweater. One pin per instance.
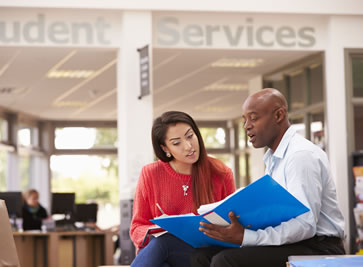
(159, 183)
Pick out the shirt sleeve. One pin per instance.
(303, 180)
(141, 212)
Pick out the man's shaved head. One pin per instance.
(266, 120)
(269, 97)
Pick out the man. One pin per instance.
(303, 169)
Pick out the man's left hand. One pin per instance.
(232, 233)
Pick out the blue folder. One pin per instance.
(261, 204)
(330, 261)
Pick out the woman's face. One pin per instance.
(32, 200)
(182, 143)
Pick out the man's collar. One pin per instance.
(281, 148)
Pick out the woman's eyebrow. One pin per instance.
(187, 131)
(177, 138)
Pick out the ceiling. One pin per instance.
(80, 84)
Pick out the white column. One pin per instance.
(342, 34)
(134, 115)
(257, 166)
(336, 125)
(39, 178)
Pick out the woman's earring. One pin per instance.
(168, 154)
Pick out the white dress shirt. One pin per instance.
(302, 168)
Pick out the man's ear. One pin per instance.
(280, 115)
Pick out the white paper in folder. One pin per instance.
(8, 254)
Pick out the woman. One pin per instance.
(184, 178)
(33, 212)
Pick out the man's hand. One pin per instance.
(232, 233)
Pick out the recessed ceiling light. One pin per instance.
(237, 63)
(71, 74)
(233, 87)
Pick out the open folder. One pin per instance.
(261, 204)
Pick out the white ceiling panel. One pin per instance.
(180, 79)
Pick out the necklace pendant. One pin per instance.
(185, 188)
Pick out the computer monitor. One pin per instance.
(63, 203)
(14, 203)
(86, 212)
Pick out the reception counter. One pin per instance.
(59, 249)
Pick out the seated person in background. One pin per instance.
(33, 212)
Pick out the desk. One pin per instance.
(57, 249)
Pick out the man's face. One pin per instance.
(259, 122)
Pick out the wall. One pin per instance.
(257, 6)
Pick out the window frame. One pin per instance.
(304, 66)
(90, 151)
(351, 100)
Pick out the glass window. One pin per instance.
(3, 167)
(93, 178)
(281, 86)
(85, 138)
(357, 76)
(242, 137)
(24, 169)
(28, 136)
(243, 173)
(3, 130)
(213, 137)
(34, 135)
(299, 125)
(316, 84)
(106, 137)
(303, 87)
(225, 158)
(358, 127)
(297, 91)
(317, 130)
(24, 136)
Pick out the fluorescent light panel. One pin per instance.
(237, 63)
(69, 74)
(231, 87)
